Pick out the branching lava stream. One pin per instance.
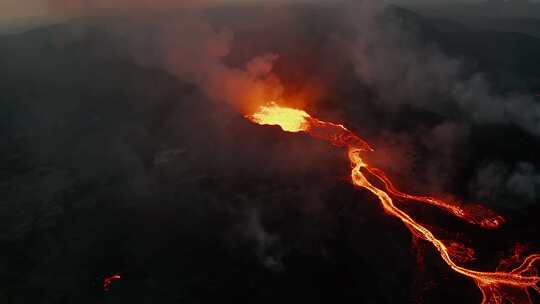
(503, 285)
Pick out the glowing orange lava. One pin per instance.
(294, 120)
(289, 119)
(510, 283)
(474, 214)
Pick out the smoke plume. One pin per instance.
(389, 56)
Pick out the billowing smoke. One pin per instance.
(406, 71)
(389, 56)
(369, 64)
(190, 48)
(512, 186)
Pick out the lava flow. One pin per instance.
(474, 214)
(294, 120)
(506, 284)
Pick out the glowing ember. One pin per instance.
(509, 283)
(107, 281)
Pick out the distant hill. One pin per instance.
(530, 26)
(498, 15)
(509, 58)
(498, 9)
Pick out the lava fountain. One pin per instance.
(506, 284)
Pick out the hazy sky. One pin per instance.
(15, 9)
(11, 10)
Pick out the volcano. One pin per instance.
(321, 152)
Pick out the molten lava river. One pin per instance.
(511, 282)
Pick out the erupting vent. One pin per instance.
(514, 277)
(290, 120)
